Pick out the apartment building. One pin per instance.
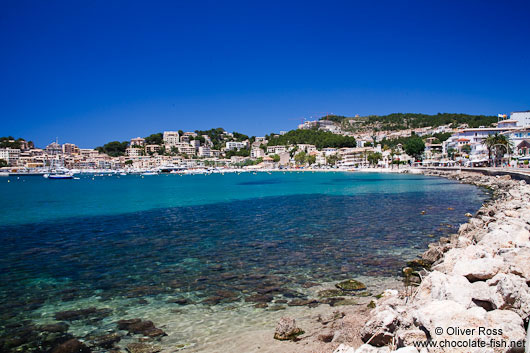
(205, 151)
(235, 145)
(70, 149)
(10, 155)
(171, 138)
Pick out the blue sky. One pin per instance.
(90, 72)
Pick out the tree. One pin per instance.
(114, 148)
(300, 158)
(128, 162)
(374, 158)
(155, 139)
(332, 159)
(466, 149)
(414, 147)
(451, 153)
(311, 159)
(3, 163)
(243, 152)
(239, 137)
(313, 137)
(275, 158)
(498, 145)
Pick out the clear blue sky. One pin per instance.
(90, 72)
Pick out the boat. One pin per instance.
(149, 173)
(59, 176)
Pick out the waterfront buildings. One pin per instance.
(211, 147)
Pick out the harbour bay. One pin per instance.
(191, 249)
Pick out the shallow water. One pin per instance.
(134, 245)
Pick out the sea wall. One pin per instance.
(474, 293)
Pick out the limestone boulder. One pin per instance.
(448, 320)
(512, 293)
(476, 264)
(439, 286)
(379, 330)
(518, 261)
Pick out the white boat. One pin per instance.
(59, 176)
(150, 173)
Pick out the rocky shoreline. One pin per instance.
(469, 292)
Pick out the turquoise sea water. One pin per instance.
(136, 246)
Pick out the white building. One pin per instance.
(138, 141)
(306, 148)
(171, 139)
(522, 118)
(328, 151)
(474, 137)
(307, 125)
(88, 152)
(257, 153)
(187, 149)
(10, 155)
(276, 149)
(354, 157)
(234, 145)
(134, 151)
(215, 153)
(205, 151)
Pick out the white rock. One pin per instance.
(509, 322)
(406, 350)
(511, 292)
(439, 286)
(478, 269)
(366, 348)
(519, 261)
(381, 326)
(463, 242)
(437, 314)
(343, 348)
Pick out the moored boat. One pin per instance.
(59, 176)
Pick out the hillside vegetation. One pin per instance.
(313, 137)
(402, 121)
